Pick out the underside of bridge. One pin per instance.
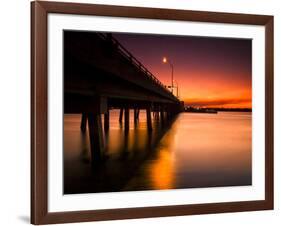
(100, 75)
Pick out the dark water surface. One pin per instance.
(194, 150)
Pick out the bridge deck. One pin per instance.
(96, 64)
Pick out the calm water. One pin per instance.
(195, 150)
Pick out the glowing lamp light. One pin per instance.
(164, 60)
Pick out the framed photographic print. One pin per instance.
(145, 112)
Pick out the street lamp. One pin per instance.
(177, 88)
(165, 60)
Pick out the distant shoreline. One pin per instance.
(233, 109)
(212, 110)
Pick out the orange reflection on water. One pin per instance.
(203, 150)
(162, 171)
(196, 150)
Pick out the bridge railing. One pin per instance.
(133, 60)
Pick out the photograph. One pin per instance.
(155, 112)
(143, 112)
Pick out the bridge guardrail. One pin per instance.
(133, 60)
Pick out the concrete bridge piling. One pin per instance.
(110, 77)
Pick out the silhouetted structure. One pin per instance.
(100, 74)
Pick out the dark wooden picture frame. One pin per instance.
(39, 109)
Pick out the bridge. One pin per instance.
(99, 75)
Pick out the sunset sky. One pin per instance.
(211, 72)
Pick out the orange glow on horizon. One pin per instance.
(207, 90)
(209, 72)
(220, 103)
